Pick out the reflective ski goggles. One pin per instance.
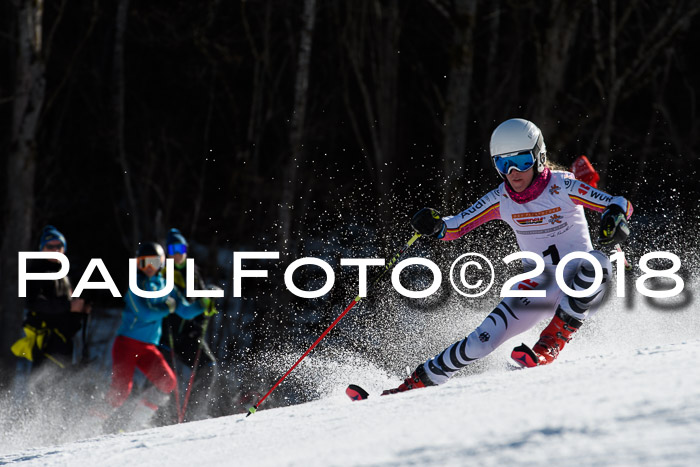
(144, 262)
(520, 162)
(177, 248)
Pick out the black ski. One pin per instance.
(356, 393)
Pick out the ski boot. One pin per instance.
(417, 380)
(145, 408)
(552, 340)
(116, 420)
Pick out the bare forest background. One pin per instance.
(317, 127)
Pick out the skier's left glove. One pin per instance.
(211, 310)
(428, 222)
(613, 226)
(208, 303)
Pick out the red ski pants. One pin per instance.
(129, 354)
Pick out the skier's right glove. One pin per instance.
(613, 226)
(428, 222)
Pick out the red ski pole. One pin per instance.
(174, 362)
(390, 265)
(181, 416)
(208, 313)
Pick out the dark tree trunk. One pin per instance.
(30, 89)
(132, 236)
(296, 131)
(457, 101)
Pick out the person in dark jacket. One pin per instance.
(186, 338)
(53, 317)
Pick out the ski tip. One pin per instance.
(524, 356)
(356, 393)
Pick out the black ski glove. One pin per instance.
(428, 222)
(613, 226)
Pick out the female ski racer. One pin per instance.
(545, 209)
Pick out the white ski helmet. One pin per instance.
(518, 136)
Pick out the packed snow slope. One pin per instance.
(631, 406)
(625, 391)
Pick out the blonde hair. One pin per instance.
(556, 166)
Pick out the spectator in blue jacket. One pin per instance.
(137, 338)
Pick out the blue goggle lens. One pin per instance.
(520, 162)
(176, 248)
